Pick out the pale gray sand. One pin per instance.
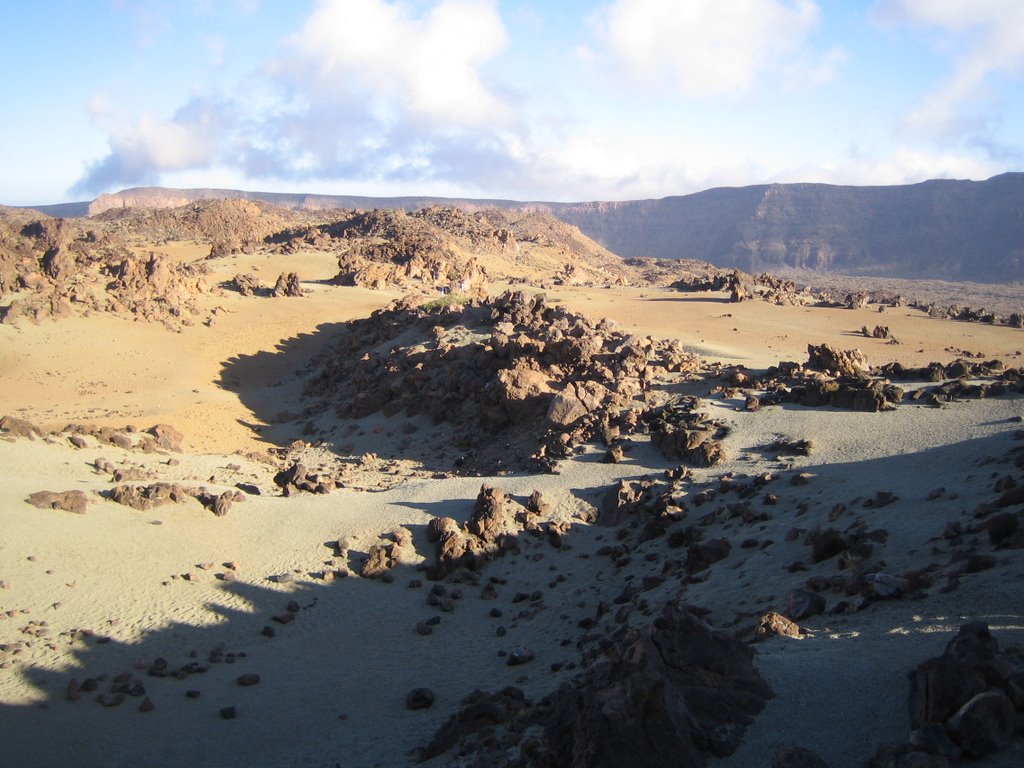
(355, 652)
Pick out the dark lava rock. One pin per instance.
(671, 694)
(480, 712)
(797, 757)
(985, 724)
(419, 698)
(520, 655)
(700, 557)
(971, 690)
(802, 604)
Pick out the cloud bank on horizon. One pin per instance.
(530, 100)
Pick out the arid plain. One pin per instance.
(253, 614)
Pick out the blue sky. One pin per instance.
(530, 100)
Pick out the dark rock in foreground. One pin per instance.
(665, 697)
(966, 702)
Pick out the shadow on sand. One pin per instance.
(334, 676)
(273, 386)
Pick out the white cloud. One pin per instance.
(903, 165)
(142, 148)
(704, 47)
(986, 39)
(428, 67)
(601, 163)
(162, 144)
(387, 96)
(366, 89)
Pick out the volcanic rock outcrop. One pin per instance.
(845, 379)
(542, 378)
(667, 696)
(68, 272)
(968, 702)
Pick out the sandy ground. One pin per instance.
(751, 334)
(334, 681)
(105, 369)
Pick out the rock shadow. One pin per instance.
(279, 662)
(505, 386)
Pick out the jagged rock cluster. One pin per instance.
(405, 264)
(965, 703)
(492, 530)
(152, 288)
(248, 284)
(742, 287)
(674, 693)
(845, 379)
(780, 291)
(972, 315)
(229, 225)
(65, 269)
(684, 434)
(144, 497)
(513, 366)
(438, 248)
(159, 438)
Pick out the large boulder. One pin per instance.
(167, 437)
(972, 690)
(825, 357)
(668, 696)
(287, 285)
(493, 518)
(15, 427)
(524, 393)
(69, 501)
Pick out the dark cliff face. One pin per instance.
(954, 230)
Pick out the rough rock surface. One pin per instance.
(669, 696)
(540, 377)
(844, 379)
(70, 501)
(972, 695)
(287, 285)
(491, 530)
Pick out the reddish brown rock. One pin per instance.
(824, 357)
(167, 437)
(16, 427)
(143, 497)
(287, 285)
(492, 519)
(69, 501)
(772, 624)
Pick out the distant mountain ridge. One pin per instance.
(939, 229)
(162, 197)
